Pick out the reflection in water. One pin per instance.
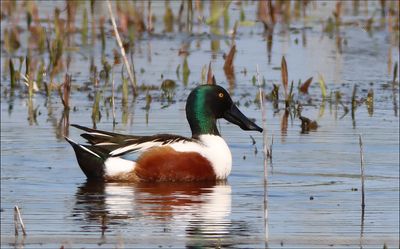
(284, 125)
(200, 210)
(64, 123)
(268, 34)
(61, 126)
(32, 113)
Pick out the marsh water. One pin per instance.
(314, 183)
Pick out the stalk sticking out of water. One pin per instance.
(322, 85)
(149, 17)
(304, 87)
(126, 62)
(354, 105)
(185, 71)
(284, 74)
(18, 218)
(12, 74)
(112, 98)
(102, 35)
(394, 89)
(210, 76)
(228, 65)
(203, 74)
(362, 188)
(265, 13)
(15, 221)
(266, 155)
(66, 91)
(362, 174)
(85, 27)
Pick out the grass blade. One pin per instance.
(228, 65)
(322, 85)
(304, 87)
(210, 76)
(284, 72)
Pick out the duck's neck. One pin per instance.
(200, 118)
(200, 125)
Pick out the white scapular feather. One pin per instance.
(105, 143)
(137, 147)
(98, 134)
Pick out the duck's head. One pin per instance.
(206, 104)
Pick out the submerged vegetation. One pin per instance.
(53, 39)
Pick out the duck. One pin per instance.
(205, 156)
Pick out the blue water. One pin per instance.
(312, 201)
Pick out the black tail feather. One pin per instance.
(87, 129)
(91, 163)
(113, 140)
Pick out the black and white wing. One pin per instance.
(115, 144)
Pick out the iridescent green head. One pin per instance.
(206, 104)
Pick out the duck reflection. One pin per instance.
(196, 209)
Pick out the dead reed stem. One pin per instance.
(66, 91)
(362, 189)
(264, 118)
(266, 153)
(210, 76)
(362, 174)
(126, 62)
(112, 97)
(394, 89)
(149, 17)
(15, 222)
(18, 218)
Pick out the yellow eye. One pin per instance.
(221, 95)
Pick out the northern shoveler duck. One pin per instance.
(166, 157)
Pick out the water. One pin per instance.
(314, 186)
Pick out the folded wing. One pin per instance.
(115, 144)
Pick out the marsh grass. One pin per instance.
(304, 87)
(229, 67)
(65, 91)
(12, 74)
(136, 18)
(96, 114)
(185, 71)
(85, 27)
(394, 88)
(322, 86)
(285, 78)
(126, 62)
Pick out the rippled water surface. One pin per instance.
(314, 185)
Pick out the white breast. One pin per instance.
(214, 148)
